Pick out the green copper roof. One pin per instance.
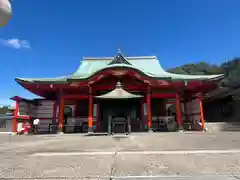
(147, 65)
(62, 79)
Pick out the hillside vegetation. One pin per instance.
(4, 110)
(230, 68)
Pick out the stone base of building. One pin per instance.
(222, 126)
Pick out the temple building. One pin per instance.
(116, 94)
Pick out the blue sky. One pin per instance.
(48, 38)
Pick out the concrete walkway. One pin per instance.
(138, 156)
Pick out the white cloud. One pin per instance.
(16, 43)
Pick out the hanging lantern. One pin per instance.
(5, 12)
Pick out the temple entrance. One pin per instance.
(118, 109)
(120, 115)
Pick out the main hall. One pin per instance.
(116, 94)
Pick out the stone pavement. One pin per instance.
(195, 155)
(181, 178)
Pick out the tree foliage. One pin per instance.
(4, 110)
(231, 69)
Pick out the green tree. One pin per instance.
(230, 68)
(4, 110)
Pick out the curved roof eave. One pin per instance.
(117, 66)
(150, 68)
(195, 77)
(165, 75)
(56, 80)
(169, 76)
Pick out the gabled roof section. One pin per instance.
(119, 59)
(146, 65)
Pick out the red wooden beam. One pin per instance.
(170, 102)
(75, 96)
(24, 117)
(112, 86)
(38, 88)
(163, 95)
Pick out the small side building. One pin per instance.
(6, 120)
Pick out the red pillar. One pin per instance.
(90, 111)
(61, 114)
(178, 111)
(201, 112)
(149, 112)
(14, 129)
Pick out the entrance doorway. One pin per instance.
(120, 116)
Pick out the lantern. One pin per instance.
(5, 12)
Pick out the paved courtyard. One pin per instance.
(137, 156)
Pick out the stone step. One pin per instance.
(222, 126)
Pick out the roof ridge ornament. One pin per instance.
(119, 59)
(119, 51)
